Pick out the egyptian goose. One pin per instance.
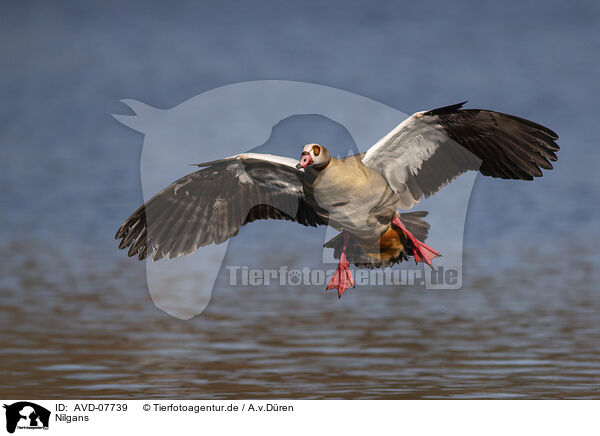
(359, 195)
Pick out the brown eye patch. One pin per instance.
(316, 150)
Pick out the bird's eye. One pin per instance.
(316, 150)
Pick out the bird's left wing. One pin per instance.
(210, 205)
(430, 149)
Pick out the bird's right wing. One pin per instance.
(210, 205)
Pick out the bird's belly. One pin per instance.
(363, 214)
(355, 217)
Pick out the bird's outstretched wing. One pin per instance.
(210, 205)
(430, 149)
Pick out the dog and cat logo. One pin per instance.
(26, 415)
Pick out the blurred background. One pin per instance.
(76, 319)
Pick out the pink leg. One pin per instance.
(342, 278)
(421, 251)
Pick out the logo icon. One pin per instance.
(26, 415)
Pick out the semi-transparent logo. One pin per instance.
(243, 117)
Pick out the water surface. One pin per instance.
(76, 320)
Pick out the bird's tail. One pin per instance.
(359, 256)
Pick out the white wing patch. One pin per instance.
(403, 151)
(288, 161)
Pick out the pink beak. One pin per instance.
(305, 160)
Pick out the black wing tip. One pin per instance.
(129, 233)
(546, 131)
(551, 133)
(446, 109)
(454, 107)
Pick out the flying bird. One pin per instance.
(359, 195)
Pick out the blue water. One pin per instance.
(76, 319)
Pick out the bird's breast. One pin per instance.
(356, 198)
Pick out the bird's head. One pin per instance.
(315, 156)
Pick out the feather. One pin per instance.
(210, 205)
(430, 149)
